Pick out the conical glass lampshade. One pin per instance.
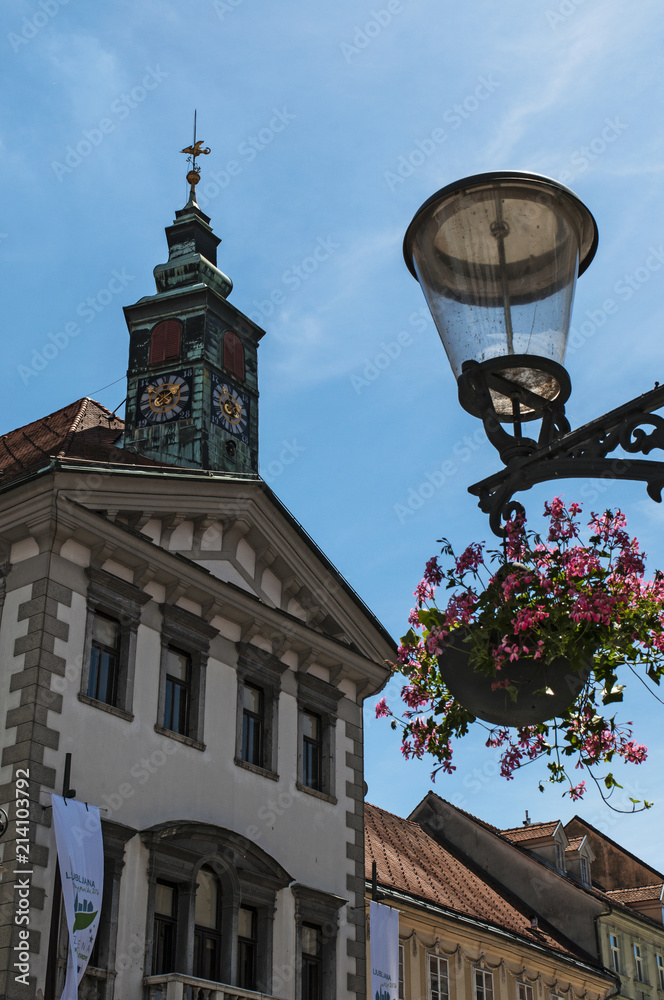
(497, 256)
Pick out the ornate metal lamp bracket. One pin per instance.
(583, 453)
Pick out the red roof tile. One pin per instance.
(535, 831)
(82, 430)
(409, 860)
(638, 894)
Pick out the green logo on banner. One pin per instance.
(83, 919)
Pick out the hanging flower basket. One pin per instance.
(534, 647)
(537, 691)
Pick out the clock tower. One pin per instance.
(192, 390)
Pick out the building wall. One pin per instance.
(142, 778)
(649, 940)
(613, 867)
(510, 962)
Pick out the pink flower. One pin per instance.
(423, 592)
(577, 791)
(433, 574)
(470, 559)
(381, 709)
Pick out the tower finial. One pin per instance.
(194, 174)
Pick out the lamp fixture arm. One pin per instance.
(583, 454)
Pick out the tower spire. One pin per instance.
(194, 176)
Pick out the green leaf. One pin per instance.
(615, 694)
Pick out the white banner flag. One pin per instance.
(384, 930)
(81, 856)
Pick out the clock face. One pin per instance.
(230, 409)
(165, 397)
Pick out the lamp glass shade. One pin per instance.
(497, 257)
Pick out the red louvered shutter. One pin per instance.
(165, 341)
(233, 354)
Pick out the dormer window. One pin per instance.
(585, 870)
(233, 358)
(165, 341)
(560, 857)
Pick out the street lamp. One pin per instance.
(497, 256)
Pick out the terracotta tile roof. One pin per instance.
(534, 831)
(574, 844)
(638, 894)
(410, 861)
(82, 430)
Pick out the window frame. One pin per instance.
(260, 669)
(171, 921)
(639, 963)
(432, 957)
(312, 961)
(524, 990)
(181, 704)
(187, 634)
(253, 728)
(253, 943)
(113, 598)
(614, 948)
(312, 752)
(318, 697)
(659, 962)
(246, 876)
(202, 933)
(401, 974)
(480, 991)
(317, 909)
(95, 665)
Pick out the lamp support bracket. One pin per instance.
(583, 453)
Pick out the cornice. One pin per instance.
(181, 576)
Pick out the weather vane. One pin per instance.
(193, 151)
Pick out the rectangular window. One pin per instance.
(524, 991)
(253, 725)
(207, 936)
(312, 751)
(109, 650)
(165, 920)
(402, 972)
(178, 691)
(585, 871)
(104, 659)
(438, 979)
(615, 952)
(483, 985)
(638, 964)
(312, 980)
(660, 972)
(247, 944)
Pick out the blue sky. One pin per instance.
(329, 125)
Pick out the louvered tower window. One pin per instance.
(165, 341)
(233, 354)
